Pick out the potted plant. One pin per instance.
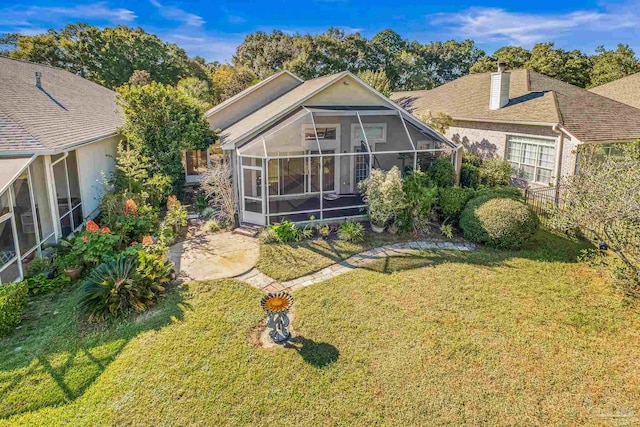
(384, 197)
(72, 266)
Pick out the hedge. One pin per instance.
(13, 303)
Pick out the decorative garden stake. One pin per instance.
(277, 305)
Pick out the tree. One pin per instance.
(228, 81)
(514, 56)
(140, 78)
(265, 54)
(160, 123)
(610, 65)
(106, 56)
(603, 199)
(197, 89)
(438, 121)
(377, 80)
(572, 67)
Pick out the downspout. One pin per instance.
(559, 152)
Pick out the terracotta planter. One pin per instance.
(73, 272)
(377, 229)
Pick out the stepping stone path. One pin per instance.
(261, 281)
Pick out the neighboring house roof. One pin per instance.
(295, 99)
(249, 90)
(625, 90)
(534, 99)
(66, 110)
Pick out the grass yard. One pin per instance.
(289, 261)
(444, 338)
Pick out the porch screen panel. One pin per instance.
(23, 213)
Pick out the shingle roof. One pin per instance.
(625, 90)
(533, 98)
(65, 111)
(276, 107)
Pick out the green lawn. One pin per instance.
(444, 338)
(289, 261)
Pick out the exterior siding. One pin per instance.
(345, 91)
(252, 101)
(95, 161)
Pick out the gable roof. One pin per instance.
(533, 99)
(67, 110)
(295, 98)
(249, 90)
(625, 90)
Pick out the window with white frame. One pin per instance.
(532, 159)
(325, 133)
(375, 132)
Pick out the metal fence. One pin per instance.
(543, 201)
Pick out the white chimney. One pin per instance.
(499, 87)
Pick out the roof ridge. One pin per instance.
(554, 95)
(615, 81)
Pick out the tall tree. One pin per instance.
(160, 123)
(107, 56)
(228, 81)
(377, 80)
(610, 65)
(514, 56)
(572, 67)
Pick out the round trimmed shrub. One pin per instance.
(498, 222)
(443, 172)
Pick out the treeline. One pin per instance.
(110, 56)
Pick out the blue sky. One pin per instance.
(213, 29)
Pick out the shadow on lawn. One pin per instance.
(544, 247)
(54, 357)
(318, 354)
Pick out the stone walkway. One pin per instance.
(261, 281)
(214, 256)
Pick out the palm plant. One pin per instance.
(114, 288)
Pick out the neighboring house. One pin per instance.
(625, 90)
(298, 149)
(535, 122)
(57, 140)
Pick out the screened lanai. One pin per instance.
(308, 166)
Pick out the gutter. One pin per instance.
(53, 151)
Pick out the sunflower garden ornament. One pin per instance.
(277, 305)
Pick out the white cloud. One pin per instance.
(20, 16)
(178, 15)
(499, 25)
(209, 47)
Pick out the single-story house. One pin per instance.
(535, 122)
(625, 90)
(57, 140)
(298, 149)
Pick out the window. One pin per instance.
(67, 184)
(324, 133)
(361, 166)
(196, 162)
(376, 132)
(532, 159)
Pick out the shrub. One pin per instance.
(269, 235)
(469, 176)
(473, 159)
(383, 195)
(208, 213)
(627, 280)
(452, 201)
(40, 284)
(93, 246)
(351, 231)
(40, 265)
(443, 172)
(176, 215)
(446, 230)
(502, 192)
(211, 226)
(115, 288)
(323, 230)
(495, 172)
(216, 183)
(500, 222)
(154, 268)
(128, 215)
(420, 195)
(13, 303)
(286, 232)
